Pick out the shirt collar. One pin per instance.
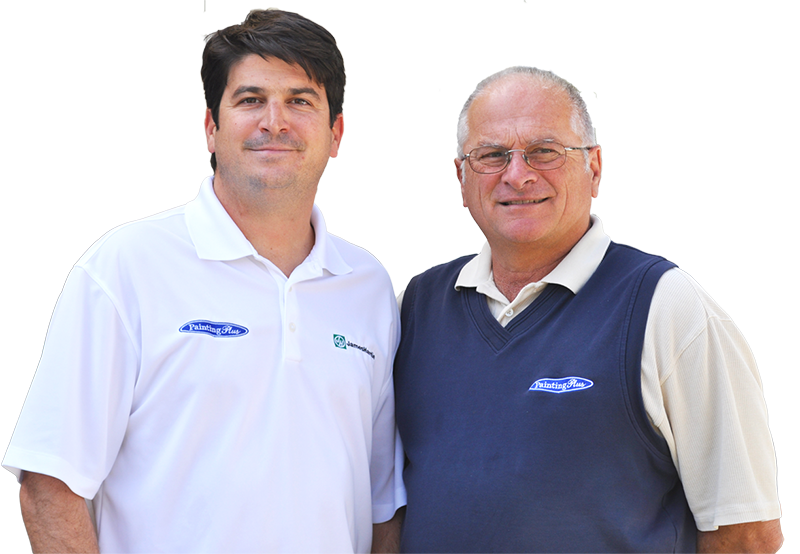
(573, 272)
(217, 237)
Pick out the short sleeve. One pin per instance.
(76, 412)
(386, 464)
(703, 393)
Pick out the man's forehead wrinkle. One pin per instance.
(506, 132)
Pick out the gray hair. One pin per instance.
(581, 121)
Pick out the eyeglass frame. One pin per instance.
(508, 156)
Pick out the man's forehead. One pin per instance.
(511, 138)
(521, 124)
(268, 69)
(520, 110)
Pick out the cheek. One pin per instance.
(471, 195)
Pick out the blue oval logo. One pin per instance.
(214, 329)
(565, 384)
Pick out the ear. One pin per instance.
(596, 168)
(211, 128)
(337, 131)
(460, 174)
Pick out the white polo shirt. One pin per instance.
(700, 384)
(208, 403)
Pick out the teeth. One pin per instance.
(515, 202)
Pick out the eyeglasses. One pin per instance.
(542, 155)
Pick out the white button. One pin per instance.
(510, 312)
(292, 327)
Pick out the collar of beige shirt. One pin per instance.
(573, 272)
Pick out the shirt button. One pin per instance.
(292, 327)
(509, 312)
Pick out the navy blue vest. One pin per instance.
(534, 437)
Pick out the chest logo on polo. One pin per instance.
(340, 342)
(214, 329)
(565, 384)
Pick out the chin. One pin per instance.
(524, 234)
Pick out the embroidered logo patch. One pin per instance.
(565, 384)
(214, 329)
(340, 342)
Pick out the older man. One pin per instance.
(217, 378)
(559, 392)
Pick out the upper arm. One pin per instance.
(759, 536)
(713, 412)
(77, 409)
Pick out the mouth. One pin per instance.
(522, 202)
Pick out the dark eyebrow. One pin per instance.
(304, 90)
(246, 89)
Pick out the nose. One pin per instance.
(274, 118)
(518, 174)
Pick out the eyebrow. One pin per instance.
(498, 145)
(305, 90)
(483, 143)
(247, 89)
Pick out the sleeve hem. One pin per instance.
(384, 512)
(18, 460)
(737, 515)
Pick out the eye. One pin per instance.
(300, 102)
(250, 100)
(489, 154)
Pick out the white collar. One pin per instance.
(217, 237)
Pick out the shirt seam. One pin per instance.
(114, 303)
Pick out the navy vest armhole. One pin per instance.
(634, 345)
(407, 307)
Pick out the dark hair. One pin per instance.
(277, 34)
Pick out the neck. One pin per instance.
(511, 273)
(515, 265)
(277, 224)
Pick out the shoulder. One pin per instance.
(437, 279)
(358, 276)
(678, 298)
(623, 257)
(687, 328)
(137, 237)
(358, 258)
(351, 253)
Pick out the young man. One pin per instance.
(218, 377)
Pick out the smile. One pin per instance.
(519, 202)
